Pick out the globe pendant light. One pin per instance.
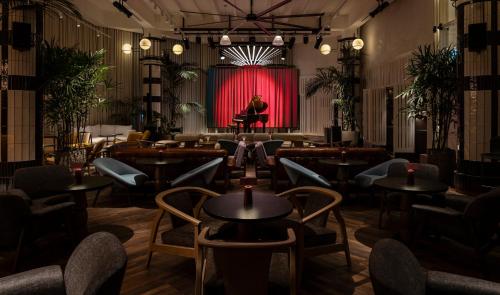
(177, 49)
(278, 40)
(325, 49)
(145, 43)
(225, 41)
(358, 44)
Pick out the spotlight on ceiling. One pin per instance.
(186, 43)
(278, 40)
(319, 39)
(382, 4)
(224, 40)
(306, 39)
(221, 56)
(283, 54)
(291, 42)
(177, 49)
(145, 43)
(211, 42)
(119, 5)
(198, 40)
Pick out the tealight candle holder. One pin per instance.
(343, 156)
(410, 177)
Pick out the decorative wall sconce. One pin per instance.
(177, 49)
(325, 49)
(127, 48)
(358, 44)
(145, 43)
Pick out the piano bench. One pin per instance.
(232, 128)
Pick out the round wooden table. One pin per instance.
(78, 191)
(408, 193)
(158, 164)
(265, 207)
(343, 171)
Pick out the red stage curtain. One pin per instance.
(234, 87)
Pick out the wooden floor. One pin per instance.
(326, 274)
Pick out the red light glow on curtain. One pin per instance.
(234, 88)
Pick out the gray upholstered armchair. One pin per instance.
(471, 221)
(394, 270)
(97, 266)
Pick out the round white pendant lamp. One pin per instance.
(358, 44)
(127, 48)
(177, 49)
(145, 43)
(325, 49)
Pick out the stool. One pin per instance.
(232, 128)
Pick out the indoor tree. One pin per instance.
(433, 90)
(71, 80)
(174, 76)
(332, 81)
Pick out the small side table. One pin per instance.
(343, 171)
(158, 165)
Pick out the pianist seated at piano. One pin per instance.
(252, 114)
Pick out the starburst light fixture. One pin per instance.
(251, 55)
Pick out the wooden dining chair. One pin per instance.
(245, 267)
(182, 205)
(313, 205)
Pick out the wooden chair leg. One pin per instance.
(18, 251)
(150, 255)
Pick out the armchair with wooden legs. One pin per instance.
(183, 206)
(260, 259)
(313, 205)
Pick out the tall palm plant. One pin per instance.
(433, 91)
(175, 75)
(332, 81)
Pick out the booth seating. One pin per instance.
(309, 158)
(99, 132)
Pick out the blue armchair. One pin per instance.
(301, 176)
(366, 178)
(201, 176)
(272, 145)
(121, 172)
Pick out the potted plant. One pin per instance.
(70, 81)
(433, 94)
(174, 76)
(332, 81)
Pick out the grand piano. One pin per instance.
(251, 115)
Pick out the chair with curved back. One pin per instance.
(301, 176)
(121, 172)
(182, 205)
(390, 201)
(258, 261)
(201, 176)
(94, 153)
(14, 219)
(470, 221)
(229, 145)
(236, 162)
(96, 267)
(395, 270)
(366, 178)
(313, 205)
(272, 145)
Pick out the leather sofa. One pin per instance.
(99, 131)
(309, 158)
(193, 158)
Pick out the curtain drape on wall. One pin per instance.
(229, 90)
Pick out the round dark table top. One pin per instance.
(90, 183)
(347, 163)
(421, 186)
(265, 207)
(158, 161)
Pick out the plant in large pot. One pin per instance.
(175, 75)
(334, 82)
(433, 94)
(71, 80)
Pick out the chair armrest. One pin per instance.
(41, 211)
(20, 193)
(437, 210)
(43, 281)
(447, 283)
(457, 202)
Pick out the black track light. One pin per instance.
(319, 40)
(186, 43)
(291, 42)
(119, 5)
(306, 39)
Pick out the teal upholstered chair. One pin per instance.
(121, 172)
(301, 176)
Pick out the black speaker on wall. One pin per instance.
(478, 37)
(21, 36)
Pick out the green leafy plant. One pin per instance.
(175, 75)
(433, 91)
(332, 81)
(71, 79)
